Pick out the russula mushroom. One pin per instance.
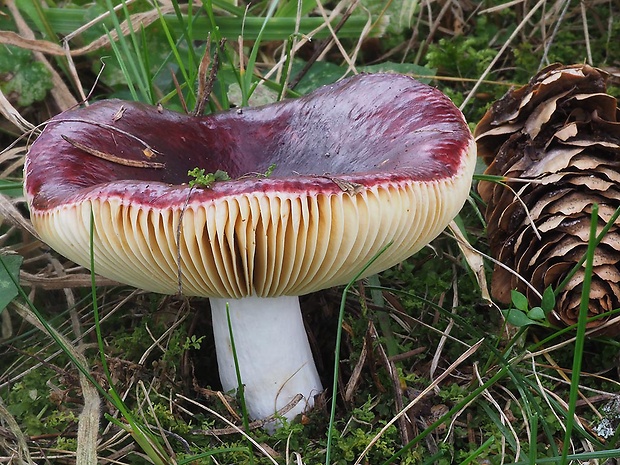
(368, 161)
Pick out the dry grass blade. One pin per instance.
(69, 281)
(34, 45)
(355, 377)
(11, 114)
(502, 414)
(12, 161)
(21, 452)
(232, 425)
(334, 36)
(505, 47)
(404, 422)
(586, 33)
(162, 433)
(474, 259)
(563, 374)
(157, 341)
(329, 43)
(88, 421)
(234, 429)
(10, 213)
(113, 158)
(446, 333)
(471, 350)
(27, 41)
(205, 78)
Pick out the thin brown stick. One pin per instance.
(113, 158)
(501, 51)
(202, 93)
(404, 422)
(233, 429)
(586, 33)
(177, 87)
(62, 282)
(428, 389)
(178, 240)
(407, 355)
(351, 188)
(327, 43)
(109, 127)
(205, 83)
(353, 382)
(434, 26)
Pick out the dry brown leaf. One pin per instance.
(11, 114)
(473, 258)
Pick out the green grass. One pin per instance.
(474, 389)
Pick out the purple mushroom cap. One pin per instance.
(369, 160)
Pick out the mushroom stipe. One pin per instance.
(399, 159)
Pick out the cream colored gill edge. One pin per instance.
(263, 245)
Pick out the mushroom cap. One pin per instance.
(368, 161)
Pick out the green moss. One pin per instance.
(29, 400)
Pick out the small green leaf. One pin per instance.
(202, 179)
(519, 300)
(548, 300)
(517, 318)
(270, 170)
(221, 175)
(321, 73)
(536, 313)
(9, 266)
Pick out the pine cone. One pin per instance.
(562, 131)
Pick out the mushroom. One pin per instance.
(369, 161)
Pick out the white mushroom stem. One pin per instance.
(274, 356)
